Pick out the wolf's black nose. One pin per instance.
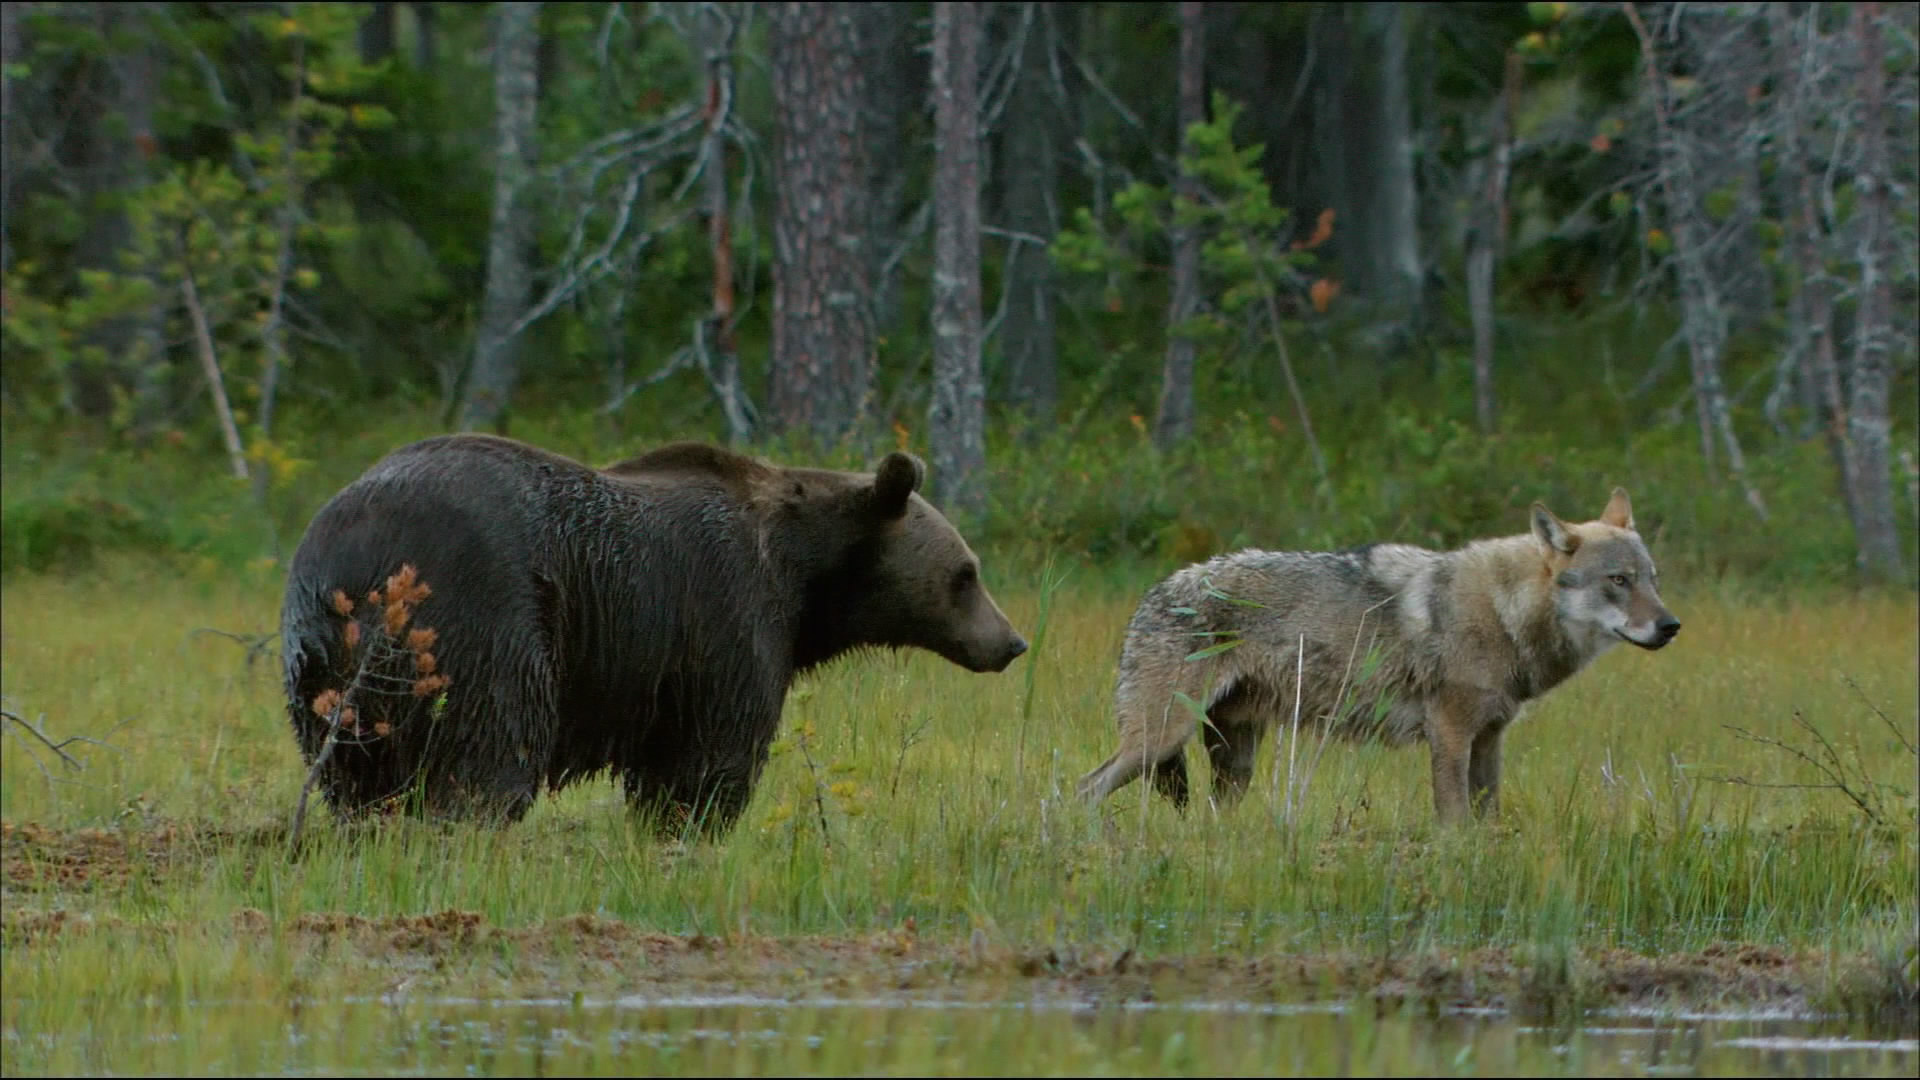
(1666, 627)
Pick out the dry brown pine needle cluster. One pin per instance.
(395, 604)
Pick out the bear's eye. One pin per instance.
(963, 578)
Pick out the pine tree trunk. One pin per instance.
(9, 49)
(1174, 424)
(889, 87)
(1029, 187)
(117, 141)
(424, 49)
(1867, 417)
(822, 368)
(957, 425)
(516, 94)
(376, 33)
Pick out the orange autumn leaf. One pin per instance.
(1322, 293)
(1322, 232)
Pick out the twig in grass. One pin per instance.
(1049, 584)
(1861, 790)
(908, 737)
(819, 787)
(1300, 771)
(1884, 718)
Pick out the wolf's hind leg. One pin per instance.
(1232, 732)
(1170, 778)
(1483, 771)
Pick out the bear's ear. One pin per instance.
(898, 477)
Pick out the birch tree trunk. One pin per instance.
(717, 32)
(1397, 229)
(1487, 240)
(822, 365)
(1812, 307)
(1703, 314)
(1174, 424)
(1870, 479)
(516, 93)
(957, 425)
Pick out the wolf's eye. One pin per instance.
(1619, 579)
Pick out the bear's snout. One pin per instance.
(1015, 647)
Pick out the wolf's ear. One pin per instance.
(1553, 532)
(898, 477)
(1619, 511)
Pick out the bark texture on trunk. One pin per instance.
(1868, 426)
(957, 425)
(1486, 242)
(516, 93)
(1029, 184)
(1174, 424)
(822, 369)
(1703, 313)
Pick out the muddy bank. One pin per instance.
(441, 952)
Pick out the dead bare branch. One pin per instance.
(1849, 779)
(257, 645)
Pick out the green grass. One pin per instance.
(942, 801)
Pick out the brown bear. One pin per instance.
(645, 618)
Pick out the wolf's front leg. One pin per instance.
(1451, 728)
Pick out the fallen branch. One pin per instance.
(59, 748)
(257, 645)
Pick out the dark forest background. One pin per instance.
(1141, 281)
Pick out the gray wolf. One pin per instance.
(1459, 641)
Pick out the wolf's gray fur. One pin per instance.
(1459, 641)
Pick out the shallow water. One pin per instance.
(921, 1035)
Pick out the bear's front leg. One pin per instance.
(711, 801)
(700, 765)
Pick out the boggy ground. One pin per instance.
(51, 873)
(1662, 844)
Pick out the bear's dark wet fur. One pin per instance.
(645, 618)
